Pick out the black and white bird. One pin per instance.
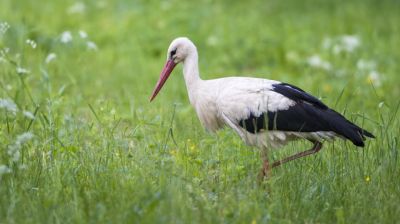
(265, 113)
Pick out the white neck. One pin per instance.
(191, 74)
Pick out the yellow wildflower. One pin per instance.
(327, 88)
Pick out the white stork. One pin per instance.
(265, 113)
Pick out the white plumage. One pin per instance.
(227, 101)
(265, 113)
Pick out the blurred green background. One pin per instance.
(80, 143)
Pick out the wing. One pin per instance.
(241, 98)
(283, 107)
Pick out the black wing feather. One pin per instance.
(296, 94)
(307, 115)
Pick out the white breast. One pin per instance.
(203, 100)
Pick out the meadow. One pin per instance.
(80, 142)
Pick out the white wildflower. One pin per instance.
(350, 42)
(4, 27)
(78, 7)
(14, 149)
(32, 43)
(113, 111)
(50, 57)
(15, 156)
(316, 62)
(3, 54)
(374, 77)
(66, 37)
(4, 170)
(9, 105)
(4, 51)
(23, 167)
(346, 43)
(68, 118)
(22, 71)
(91, 45)
(212, 40)
(83, 34)
(366, 65)
(9, 87)
(29, 114)
(24, 137)
(380, 105)
(292, 56)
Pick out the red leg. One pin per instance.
(266, 168)
(317, 146)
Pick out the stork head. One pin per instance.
(178, 51)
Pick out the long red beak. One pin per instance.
(168, 67)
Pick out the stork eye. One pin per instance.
(173, 53)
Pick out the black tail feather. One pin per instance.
(367, 134)
(347, 129)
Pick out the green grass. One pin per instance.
(101, 153)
